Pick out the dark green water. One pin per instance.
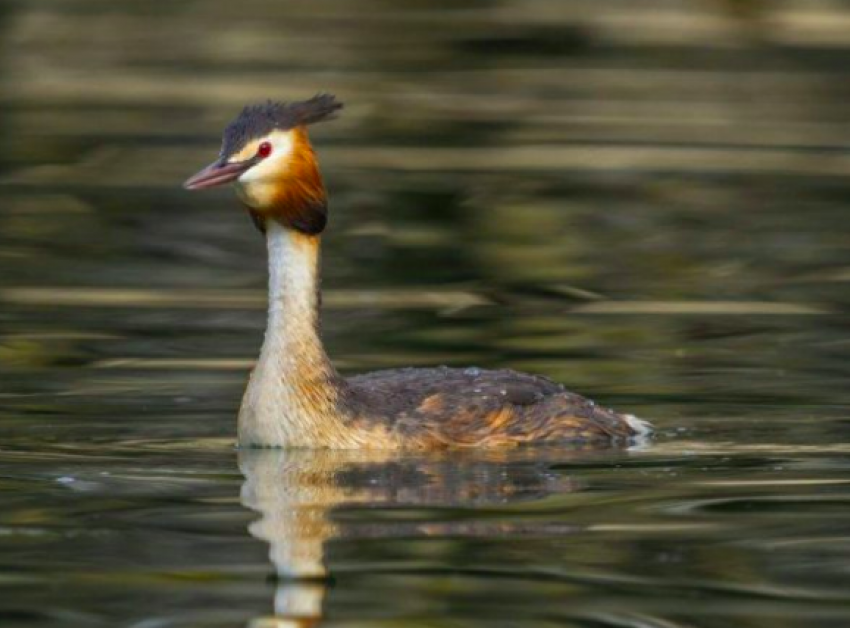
(648, 203)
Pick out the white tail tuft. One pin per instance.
(640, 427)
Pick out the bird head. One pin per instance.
(267, 155)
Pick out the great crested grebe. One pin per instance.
(295, 397)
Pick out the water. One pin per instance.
(646, 203)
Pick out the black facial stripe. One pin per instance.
(248, 163)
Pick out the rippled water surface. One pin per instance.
(646, 201)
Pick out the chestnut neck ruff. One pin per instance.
(300, 200)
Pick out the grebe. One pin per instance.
(295, 397)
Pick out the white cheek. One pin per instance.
(263, 171)
(271, 167)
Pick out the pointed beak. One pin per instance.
(217, 173)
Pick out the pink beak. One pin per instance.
(217, 173)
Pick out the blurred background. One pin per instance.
(644, 200)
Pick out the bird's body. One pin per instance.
(445, 407)
(295, 397)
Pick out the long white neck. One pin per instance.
(293, 397)
(293, 287)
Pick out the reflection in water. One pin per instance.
(592, 538)
(297, 491)
(294, 492)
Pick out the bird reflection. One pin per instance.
(295, 493)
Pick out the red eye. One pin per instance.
(264, 150)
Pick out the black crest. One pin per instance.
(261, 119)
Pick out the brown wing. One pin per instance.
(475, 407)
